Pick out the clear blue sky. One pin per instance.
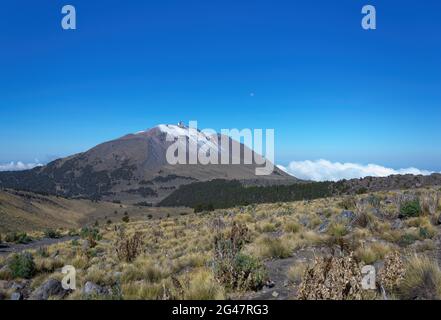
(329, 88)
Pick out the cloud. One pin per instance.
(324, 170)
(19, 166)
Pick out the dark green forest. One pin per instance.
(220, 194)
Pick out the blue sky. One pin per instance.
(329, 88)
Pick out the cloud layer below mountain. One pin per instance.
(18, 166)
(324, 170)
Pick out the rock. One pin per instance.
(346, 215)
(86, 245)
(51, 288)
(91, 288)
(377, 213)
(304, 221)
(397, 224)
(324, 226)
(16, 296)
(16, 286)
(270, 284)
(275, 294)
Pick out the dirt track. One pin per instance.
(7, 248)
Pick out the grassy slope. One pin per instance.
(181, 247)
(23, 211)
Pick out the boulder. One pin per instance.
(16, 296)
(51, 288)
(304, 221)
(324, 226)
(91, 288)
(397, 224)
(346, 215)
(85, 245)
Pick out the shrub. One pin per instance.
(337, 230)
(232, 268)
(21, 238)
(292, 227)
(251, 274)
(332, 279)
(348, 203)
(90, 233)
(410, 208)
(392, 273)
(274, 248)
(128, 248)
(200, 286)
(372, 253)
(43, 252)
(422, 280)
(126, 219)
(22, 265)
(295, 273)
(407, 239)
(52, 234)
(374, 201)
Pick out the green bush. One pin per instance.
(407, 239)
(410, 208)
(22, 265)
(251, 273)
(231, 267)
(90, 233)
(52, 234)
(21, 238)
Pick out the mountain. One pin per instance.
(134, 168)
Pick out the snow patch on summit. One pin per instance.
(194, 135)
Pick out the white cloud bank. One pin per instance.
(18, 166)
(324, 170)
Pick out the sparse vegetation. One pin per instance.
(235, 253)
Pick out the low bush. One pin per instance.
(411, 208)
(21, 238)
(231, 267)
(52, 234)
(129, 247)
(22, 265)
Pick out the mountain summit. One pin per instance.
(134, 168)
